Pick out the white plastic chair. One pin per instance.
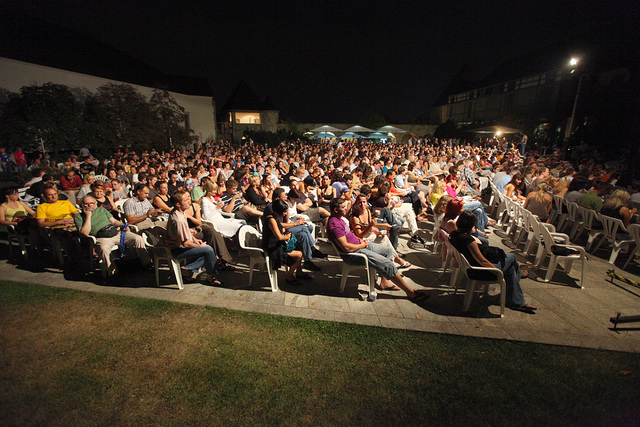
(161, 253)
(634, 230)
(560, 214)
(472, 284)
(357, 261)
(586, 224)
(101, 178)
(250, 239)
(94, 246)
(547, 245)
(611, 227)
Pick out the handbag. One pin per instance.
(290, 245)
(493, 254)
(108, 231)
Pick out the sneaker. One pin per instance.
(317, 253)
(309, 265)
(402, 230)
(417, 239)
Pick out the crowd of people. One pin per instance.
(365, 194)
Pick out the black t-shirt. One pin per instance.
(461, 242)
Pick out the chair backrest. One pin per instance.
(587, 216)
(249, 237)
(120, 205)
(467, 268)
(558, 202)
(572, 208)
(611, 226)
(634, 230)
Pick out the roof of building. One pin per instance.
(36, 41)
(603, 49)
(243, 98)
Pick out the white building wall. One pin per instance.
(16, 74)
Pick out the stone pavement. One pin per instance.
(566, 315)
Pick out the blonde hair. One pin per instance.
(541, 194)
(441, 206)
(210, 187)
(253, 180)
(617, 199)
(561, 185)
(439, 187)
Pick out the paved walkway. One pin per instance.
(566, 314)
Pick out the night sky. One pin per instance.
(326, 61)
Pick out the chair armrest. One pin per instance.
(494, 270)
(560, 236)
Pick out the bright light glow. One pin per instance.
(574, 61)
(498, 133)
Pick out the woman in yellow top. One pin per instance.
(12, 206)
(437, 191)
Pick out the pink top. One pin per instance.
(178, 230)
(451, 191)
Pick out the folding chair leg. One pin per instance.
(176, 271)
(631, 256)
(468, 297)
(584, 267)
(553, 263)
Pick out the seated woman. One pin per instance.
(209, 234)
(438, 189)
(162, 200)
(539, 202)
(616, 207)
(184, 244)
(364, 226)
(273, 238)
(463, 241)
(513, 190)
(324, 193)
(13, 208)
(104, 199)
(211, 206)
(253, 194)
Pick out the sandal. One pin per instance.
(525, 274)
(187, 275)
(226, 267)
(391, 288)
(213, 281)
(419, 296)
(405, 265)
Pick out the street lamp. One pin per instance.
(574, 64)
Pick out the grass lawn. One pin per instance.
(75, 358)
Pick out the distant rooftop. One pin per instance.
(36, 41)
(243, 98)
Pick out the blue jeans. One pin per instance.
(386, 216)
(201, 256)
(512, 276)
(304, 239)
(380, 259)
(476, 207)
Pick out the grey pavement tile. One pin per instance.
(321, 302)
(357, 318)
(362, 307)
(386, 306)
(295, 300)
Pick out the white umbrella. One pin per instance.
(392, 129)
(350, 135)
(358, 128)
(326, 128)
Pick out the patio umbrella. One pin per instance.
(326, 128)
(392, 129)
(358, 128)
(350, 135)
(377, 135)
(325, 135)
(495, 129)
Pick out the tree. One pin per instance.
(171, 116)
(373, 120)
(119, 115)
(49, 114)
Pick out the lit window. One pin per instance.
(252, 118)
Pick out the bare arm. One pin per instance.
(477, 255)
(345, 246)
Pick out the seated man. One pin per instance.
(139, 211)
(380, 257)
(96, 221)
(235, 203)
(55, 213)
(70, 182)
